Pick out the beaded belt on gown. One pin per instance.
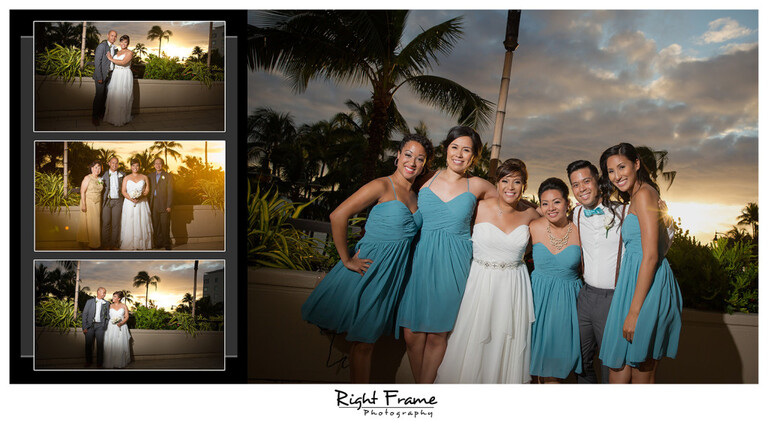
(498, 265)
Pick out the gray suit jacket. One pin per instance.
(101, 63)
(107, 180)
(160, 192)
(89, 313)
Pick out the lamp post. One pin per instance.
(510, 44)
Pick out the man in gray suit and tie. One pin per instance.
(111, 205)
(95, 320)
(101, 73)
(160, 202)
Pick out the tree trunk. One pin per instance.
(82, 48)
(376, 134)
(77, 288)
(66, 164)
(210, 32)
(194, 291)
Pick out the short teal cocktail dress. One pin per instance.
(555, 341)
(657, 330)
(441, 263)
(364, 306)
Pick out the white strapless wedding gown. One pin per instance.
(119, 95)
(136, 222)
(117, 349)
(491, 341)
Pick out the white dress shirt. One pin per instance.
(113, 185)
(112, 51)
(99, 302)
(599, 249)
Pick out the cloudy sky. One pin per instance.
(175, 277)
(684, 81)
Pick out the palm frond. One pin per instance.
(454, 99)
(416, 57)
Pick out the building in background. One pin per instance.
(213, 285)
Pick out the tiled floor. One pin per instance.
(170, 121)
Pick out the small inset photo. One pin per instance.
(129, 76)
(129, 195)
(113, 314)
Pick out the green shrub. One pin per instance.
(152, 318)
(740, 266)
(62, 62)
(49, 192)
(211, 192)
(182, 321)
(57, 314)
(272, 241)
(702, 281)
(163, 68)
(198, 71)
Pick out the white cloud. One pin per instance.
(723, 29)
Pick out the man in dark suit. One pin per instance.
(95, 320)
(111, 205)
(160, 202)
(101, 73)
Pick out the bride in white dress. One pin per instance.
(117, 338)
(120, 88)
(136, 221)
(490, 342)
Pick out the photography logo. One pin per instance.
(388, 403)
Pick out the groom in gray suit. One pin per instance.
(101, 74)
(95, 320)
(111, 205)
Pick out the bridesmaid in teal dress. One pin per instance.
(555, 342)
(359, 295)
(644, 320)
(443, 254)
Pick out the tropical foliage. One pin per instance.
(364, 48)
(63, 63)
(49, 192)
(272, 240)
(57, 314)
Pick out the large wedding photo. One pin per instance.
(129, 76)
(129, 195)
(503, 196)
(111, 314)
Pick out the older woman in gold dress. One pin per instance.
(89, 229)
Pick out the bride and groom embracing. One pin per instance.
(105, 322)
(114, 81)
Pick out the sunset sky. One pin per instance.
(684, 81)
(125, 149)
(186, 35)
(176, 277)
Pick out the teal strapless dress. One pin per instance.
(555, 342)
(364, 306)
(441, 263)
(657, 331)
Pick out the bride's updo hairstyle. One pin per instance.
(125, 38)
(119, 294)
(458, 132)
(512, 166)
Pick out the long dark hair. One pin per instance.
(606, 187)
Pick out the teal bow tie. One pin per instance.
(596, 211)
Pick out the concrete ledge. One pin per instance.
(714, 347)
(190, 224)
(54, 98)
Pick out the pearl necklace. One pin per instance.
(559, 243)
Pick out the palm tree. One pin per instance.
(197, 54)
(749, 217)
(267, 129)
(103, 156)
(364, 48)
(655, 161)
(157, 33)
(167, 147)
(194, 289)
(140, 50)
(144, 279)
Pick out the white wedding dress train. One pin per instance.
(119, 95)
(136, 221)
